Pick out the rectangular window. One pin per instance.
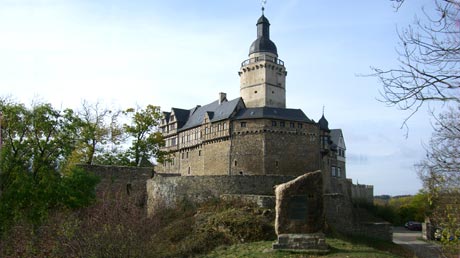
(173, 141)
(183, 155)
(273, 123)
(225, 126)
(282, 124)
(243, 124)
(199, 152)
(339, 172)
(333, 171)
(325, 141)
(292, 124)
(299, 125)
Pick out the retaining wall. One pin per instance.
(168, 191)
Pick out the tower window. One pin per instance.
(276, 164)
(199, 153)
(273, 92)
(236, 163)
(255, 91)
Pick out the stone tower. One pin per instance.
(263, 75)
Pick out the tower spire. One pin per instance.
(264, 2)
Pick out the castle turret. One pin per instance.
(263, 75)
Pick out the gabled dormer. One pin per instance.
(338, 142)
(164, 122)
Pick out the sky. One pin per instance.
(183, 53)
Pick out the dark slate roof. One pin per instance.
(323, 123)
(263, 42)
(214, 110)
(335, 136)
(273, 113)
(166, 115)
(181, 116)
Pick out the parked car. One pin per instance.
(413, 225)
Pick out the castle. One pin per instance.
(254, 134)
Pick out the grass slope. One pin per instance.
(339, 248)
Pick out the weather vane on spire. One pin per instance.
(264, 2)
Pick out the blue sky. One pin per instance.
(182, 53)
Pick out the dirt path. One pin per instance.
(412, 240)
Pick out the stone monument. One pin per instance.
(299, 219)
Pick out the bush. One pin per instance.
(29, 199)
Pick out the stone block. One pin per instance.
(299, 205)
(300, 216)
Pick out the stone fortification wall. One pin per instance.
(119, 173)
(274, 147)
(120, 178)
(168, 191)
(364, 193)
(342, 216)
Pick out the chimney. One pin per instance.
(222, 97)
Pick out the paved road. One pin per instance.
(413, 240)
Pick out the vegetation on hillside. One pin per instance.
(117, 226)
(41, 146)
(399, 210)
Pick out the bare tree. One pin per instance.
(429, 55)
(98, 126)
(440, 173)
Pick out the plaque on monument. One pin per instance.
(298, 207)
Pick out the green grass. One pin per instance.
(349, 248)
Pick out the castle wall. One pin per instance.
(169, 191)
(362, 193)
(247, 155)
(262, 148)
(291, 152)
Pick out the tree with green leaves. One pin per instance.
(440, 173)
(37, 141)
(143, 128)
